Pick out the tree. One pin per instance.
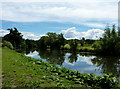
(15, 38)
(119, 32)
(52, 40)
(113, 32)
(43, 42)
(73, 44)
(109, 43)
(82, 42)
(107, 32)
(31, 44)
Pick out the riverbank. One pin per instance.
(21, 71)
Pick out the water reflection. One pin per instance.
(73, 57)
(108, 64)
(52, 56)
(84, 63)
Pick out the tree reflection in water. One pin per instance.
(108, 64)
(73, 57)
(52, 56)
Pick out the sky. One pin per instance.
(73, 18)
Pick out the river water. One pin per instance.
(83, 62)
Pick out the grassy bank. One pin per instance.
(21, 71)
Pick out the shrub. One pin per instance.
(7, 44)
(96, 45)
(67, 46)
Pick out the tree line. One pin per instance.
(108, 44)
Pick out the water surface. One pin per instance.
(83, 62)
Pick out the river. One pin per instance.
(83, 62)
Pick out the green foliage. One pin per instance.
(97, 45)
(15, 38)
(52, 56)
(7, 44)
(43, 42)
(67, 46)
(52, 41)
(30, 44)
(83, 45)
(109, 43)
(19, 71)
(86, 49)
(109, 64)
(73, 44)
(19, 44)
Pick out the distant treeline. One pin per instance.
(109, 44)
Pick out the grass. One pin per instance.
(21, 71)
(85, 48)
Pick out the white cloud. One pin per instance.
(95, 25)
(71, 33)
(32, 54)
(69, 11)
(30, 35)
(67, 60)
(26, 35)
(59, 0)
(86, 59)
(3, 32)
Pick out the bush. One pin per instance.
(67, 46)
(96, 45)
(7, 44)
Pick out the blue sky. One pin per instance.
(44, 27)
(73, 18)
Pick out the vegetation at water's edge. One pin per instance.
(110, 39)
(21, 71)
(109, 44)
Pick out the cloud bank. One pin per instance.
(70, 33)
(84, 12)
(3, 32)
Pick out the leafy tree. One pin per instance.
(73, 44)
(52, 40)
(109, 43)
(113, 32)
(107, 32)
(43, 42)
(89, 41)
(82, 42)
(30, 44)
(118, 31)
(15, 38)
